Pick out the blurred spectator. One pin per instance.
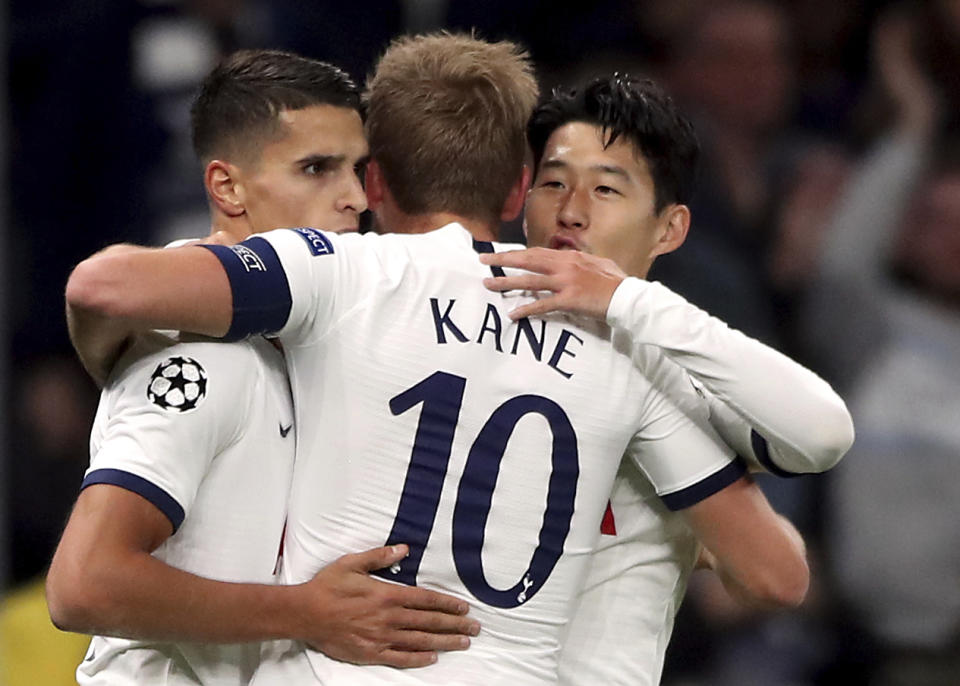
(808, 191)
(831, 39)
(938, 38)
(53, 409)
(734, 70)
(885, 312)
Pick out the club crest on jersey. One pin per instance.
(316, 241)
(178, 384)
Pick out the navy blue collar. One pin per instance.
(487, 246)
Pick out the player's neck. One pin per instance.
(225, 229)
(422, 223)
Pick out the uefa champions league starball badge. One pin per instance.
(178, 384)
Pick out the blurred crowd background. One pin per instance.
(827, 223)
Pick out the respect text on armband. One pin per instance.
(251, 261)
(316, 241)
(522, 337)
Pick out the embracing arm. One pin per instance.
(758, 554)
(805, 423)
(125, 289)
(104, 580)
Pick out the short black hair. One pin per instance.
(238, 102)
(641, 112)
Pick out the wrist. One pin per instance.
(622, 308)
(283, 613)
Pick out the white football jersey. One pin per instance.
(203, 431)
(776, 414)
(636, 580)
(427, 417)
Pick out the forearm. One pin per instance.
(103, 579)
(98, 341)
(804, 421)
(735, 580)
(137, 596)
(759, 555)
(138, 289)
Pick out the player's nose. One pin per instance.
(572, 213)
(353, 197)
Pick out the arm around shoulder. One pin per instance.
(125, 289)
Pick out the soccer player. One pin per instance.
(193, 444)
(615, 164)
(425, 415)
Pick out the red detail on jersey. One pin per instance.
(608, 526)
(283, 534)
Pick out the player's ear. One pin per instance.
(517, 196)
(224, 188)
(674, 224)
(373, 184)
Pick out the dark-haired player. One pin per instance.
(615, 170)
(193, 444)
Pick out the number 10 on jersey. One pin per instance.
(441, 395)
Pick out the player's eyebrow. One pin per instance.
(611, 169)
(602, 168)
(553, 164)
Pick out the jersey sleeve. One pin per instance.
(677, 449)
(794, 422)
(288, 283)
(165, 417)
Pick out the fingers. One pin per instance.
(376, 558)
(436, 622)
(531, 259)
(422, 599)
(535, 308)
(421, 641)
(521, 282)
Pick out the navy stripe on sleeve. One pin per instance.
(162, 500)
(762, 451)
(261, 292)
(691, 495)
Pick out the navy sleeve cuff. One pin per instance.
(162, 500)
(691, 495)
(261, 292)
(762, 451)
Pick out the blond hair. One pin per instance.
(446, 120)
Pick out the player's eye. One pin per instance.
(319, 167)
(551, 183)
(360, 169)
(607, 190)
